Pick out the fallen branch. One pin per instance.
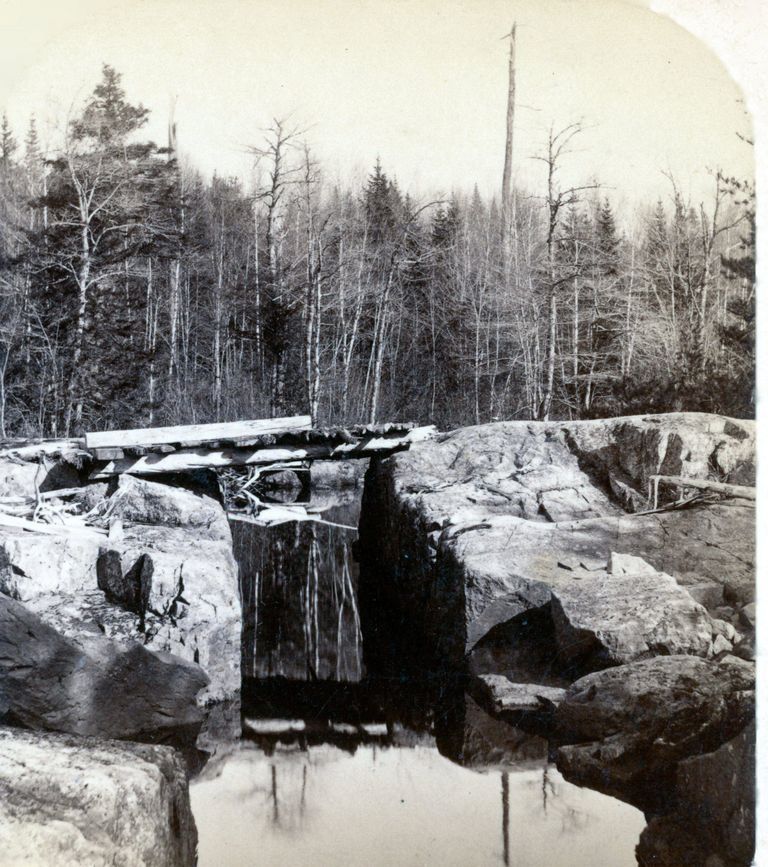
(742, 492)
(65, 529)
(271, 517)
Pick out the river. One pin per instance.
(339, 764)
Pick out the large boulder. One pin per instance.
(184, 593)
(68, 801)
(92, 685)
(139, 501)
(169, 575)
(490, 569)
(466, 531)
(607, 619)
(42, 565)
(24, 477)
(713, 820)
(630, 450)
(20, 478)
(505, 698)
(626, 725)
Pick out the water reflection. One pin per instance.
(299, 592)
(339, 764)
(400, 806)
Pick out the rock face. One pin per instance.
(468, 530)
(717, 790)
(93, 686)
(140, 501)
(73, 801)
(170, 577)
(485, 544)
(192, 597)
(714, 819)
(337, 474)
(629, 724)
(610, 619)
(48, 565)
(503, 697)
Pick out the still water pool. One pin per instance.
(333, 764)
(400, 806)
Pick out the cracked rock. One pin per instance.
(70, 800)
(605, 620)
(635, 721)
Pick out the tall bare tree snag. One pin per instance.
(506, 183)
(281, 175)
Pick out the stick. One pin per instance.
(49, 529)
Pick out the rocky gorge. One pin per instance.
(557, 566)
(593, 611)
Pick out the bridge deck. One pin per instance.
(255, 442)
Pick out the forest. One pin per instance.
(136, 291)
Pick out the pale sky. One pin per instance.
(421, 83)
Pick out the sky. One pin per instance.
(419, 83)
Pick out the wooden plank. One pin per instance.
(200, 433)
(186, 460)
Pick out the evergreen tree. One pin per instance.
(8, 144)
(445, 225)
(738, 332)
(383, 206)
(93, 267)
(607, 239)
(108, 118)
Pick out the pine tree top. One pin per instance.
(8, 144)
(108, 117)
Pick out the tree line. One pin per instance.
(135, 291)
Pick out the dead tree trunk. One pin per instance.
(506, 183)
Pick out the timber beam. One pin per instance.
(190, 459)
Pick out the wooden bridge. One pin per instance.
(253, 443)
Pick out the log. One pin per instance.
(67, 529)
(185, 460)
(197, 433)
(742, 492)
(33, 450)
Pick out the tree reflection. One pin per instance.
(299, 595)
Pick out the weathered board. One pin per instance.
(185, 460)
(196, 433)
